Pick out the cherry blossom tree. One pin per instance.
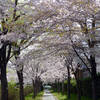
(58, 27)
(76, 13)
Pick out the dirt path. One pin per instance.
(48, 96)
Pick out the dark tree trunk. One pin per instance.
(58, 86)
(3, 64)
(78, 84)
(20, 77)
(94, 77)
(91, 43)
(20, 74)
(4, 84)
(94, 89)
(68, 84)
(4, 58)
(38, 86)
(41, 86)
(62, 86)
(34, 88)
(79, 89)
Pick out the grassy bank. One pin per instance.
(13, 91)
(61, 96)
(38, 97)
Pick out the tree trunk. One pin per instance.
(94, 89)
(68, 84)
(34, 88)
(58, 86)
(62, 86)
(79, 89)
(78, 85)
(91, 43)
(20, 77)
(3, 65)
(38, 85)
(94, 77)
(4, 84)
(4, 58)
(20, 74)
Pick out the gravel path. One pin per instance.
(48, 95)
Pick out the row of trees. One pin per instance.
(19, 29)
(66, 29)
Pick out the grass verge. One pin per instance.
(38, 97)
(61, 96)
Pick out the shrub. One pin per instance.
(13, 92)
(86, 86)
(28, 89)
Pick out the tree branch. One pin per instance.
(8, 56)
(80, 57)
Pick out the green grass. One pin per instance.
(61, 96)
(38, 97)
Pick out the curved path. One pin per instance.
(48, 96)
